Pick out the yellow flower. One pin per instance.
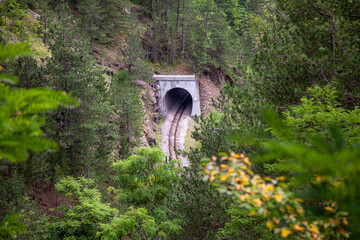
(314, 229)
(275, 220)
(281, 178)
(270, 225)
(223, 178)
(265, 197)
(224, 166)
(270, 187)
(341, 231)
(290, 209)
(269, 179)
(318, 178)
(285, 232)
(278, 197)
(243, 197)
(330, 209)
(258, 202)
(246, 160)
(299, 228)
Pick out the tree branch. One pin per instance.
(319, 10)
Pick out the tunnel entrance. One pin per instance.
(176, 97)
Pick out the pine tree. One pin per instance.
(128, 111)
(72, 69)
(133, 53)
(102, 18)
(309, 42)
(93, 16)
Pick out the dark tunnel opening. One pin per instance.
(176, 97)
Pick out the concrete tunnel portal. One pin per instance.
(176, 97)
(177, 89)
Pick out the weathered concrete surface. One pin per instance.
(186, 82)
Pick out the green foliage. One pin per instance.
(134, 54)
(84, 134)
(299, 50)
(83, 221)
(14, 10)
(21, 121)
(135, 222)
(201, 207)
(138, 224)
(11, 51)
(239, 127)
(243, 226)
(314, 114)
(145, 179)
(10, 227)
(320, 152)
(210, 42)
(21, 118)
(330, 166)
(102, 19)
(128, 110)
(26, 68)
(269, 197)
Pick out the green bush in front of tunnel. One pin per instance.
(147, 181)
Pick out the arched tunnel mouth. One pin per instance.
(177, 97)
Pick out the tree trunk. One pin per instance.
(177, 15)
(183, 28)
(206, 18)
(154, 16)
(154, 45)
(168, 32)
(152, 9)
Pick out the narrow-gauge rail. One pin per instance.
(175, 125)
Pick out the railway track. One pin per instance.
(174, 127)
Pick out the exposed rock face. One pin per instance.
(151, 111)
(208, 91)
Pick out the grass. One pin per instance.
(157, 135)
(189, 141)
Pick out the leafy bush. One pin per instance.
(145, 180)
(84, 220)
(21, 122)
(138, 224)
(328, 170)
(14, 10)
(315, 113)
(268, 197)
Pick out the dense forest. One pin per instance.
(278, 158)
